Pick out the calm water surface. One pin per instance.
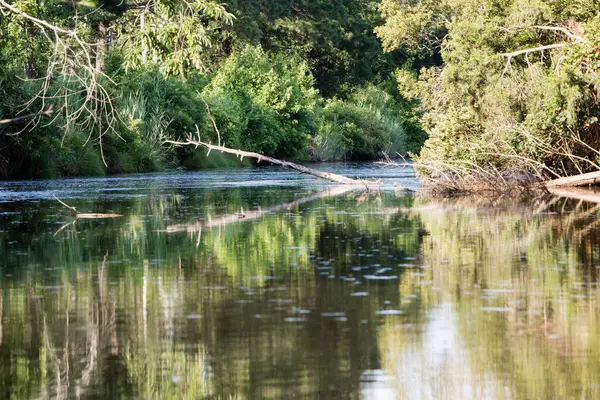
(262, 283)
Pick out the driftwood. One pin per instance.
(591, 178)
(259, 157)
(87, 215)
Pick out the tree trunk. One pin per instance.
(240, 153)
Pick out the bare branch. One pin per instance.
(241, 154)
(535, 49)
(64, 204)
(81, 98)
(561, 29)
(211, 118)
(567, 32)
(47, 113)
(37, 21)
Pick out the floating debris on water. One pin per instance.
(380, 278)
(389, 312)
(295, 319)
(333, 314)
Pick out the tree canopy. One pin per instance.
(518, 87)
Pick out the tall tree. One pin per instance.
(518, 87)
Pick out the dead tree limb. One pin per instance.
(591, 178)
(46, 113)
(82, 98)
(259, 157)
(537, 49)
(571, 35)
(574, 40)
(211, 118)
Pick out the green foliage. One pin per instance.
(499, 102)
(263, 102)
(371, 123)
(178, 36)
(417, 27)
(336, 39)
(75, 158)
(123, 77)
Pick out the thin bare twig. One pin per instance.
(64, 204)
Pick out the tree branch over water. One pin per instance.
(190, 141)
(81, 98)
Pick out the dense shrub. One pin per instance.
(264, 102)
(370, 123)
(518, 88)
(260, 102)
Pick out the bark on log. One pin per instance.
(300, 168)
(591, 178)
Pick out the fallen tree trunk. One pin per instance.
(591, 178)
(300, 168)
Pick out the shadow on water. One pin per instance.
(290, 291)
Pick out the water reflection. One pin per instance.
(286, 292)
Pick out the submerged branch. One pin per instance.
(82, 215)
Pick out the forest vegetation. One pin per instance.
(95, 87)
(491, 87)
(517, 89)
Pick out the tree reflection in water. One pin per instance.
(312, 295)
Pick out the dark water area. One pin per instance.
(262, 283)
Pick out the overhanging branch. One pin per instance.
(46, 113)
(190, 141)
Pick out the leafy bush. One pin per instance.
(367, 125)
(75, 157)
(263, 102)
(518, 88)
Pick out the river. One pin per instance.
(265, 284)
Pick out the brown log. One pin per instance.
(591, 178)
(300, 168)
